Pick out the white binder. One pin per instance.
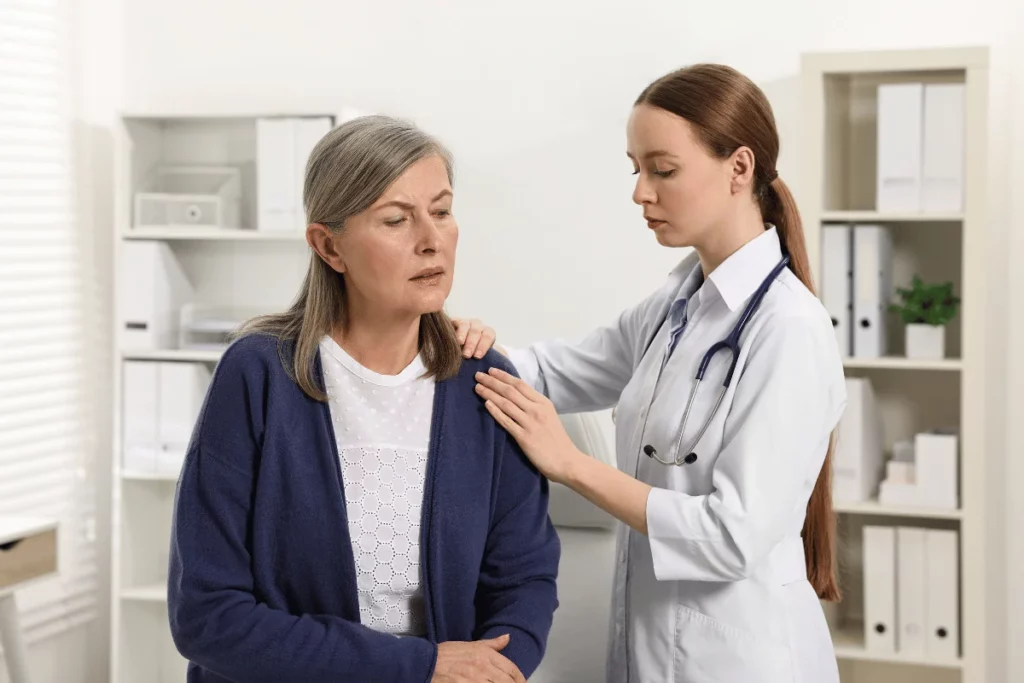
(837, 282)
(943, 590)
(900, 134)
(858, 461)
(942, 184)
(872, 284)
(283, 146)
(911, 563)
(139, 418)
(182, 387)
(155, 288)
(936, 470)
(880, 589)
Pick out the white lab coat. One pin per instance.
(717, 591)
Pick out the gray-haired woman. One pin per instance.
(348, 511)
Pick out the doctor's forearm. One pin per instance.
(615, 492)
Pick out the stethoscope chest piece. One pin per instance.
(651, 452)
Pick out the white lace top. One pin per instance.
(382, 425)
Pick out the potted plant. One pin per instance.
(925, 310)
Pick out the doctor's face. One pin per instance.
(398, 256)
(684, 190)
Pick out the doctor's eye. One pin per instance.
(665, 174)
(443, 213)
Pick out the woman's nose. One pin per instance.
(642, 193)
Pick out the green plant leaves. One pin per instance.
(930, 304)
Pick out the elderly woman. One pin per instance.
(348, 511)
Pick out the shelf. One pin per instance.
(154, 593)
(148, 476)
(223, 234)
(875, 508)
(181, 355)
(889, 217)
(899, 363)
(849, 644)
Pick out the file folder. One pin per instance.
(139, 417)
(155, 288)
(900, 123)
(943, 590)
(283, 147)
(837, 282)
(275, 175)
(910, 591)
(880, 589)
(943, 148)
(182, 387)
(936, 469)
(859, 459)
(872, 280)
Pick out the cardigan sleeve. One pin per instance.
(516, 592)
(217, 621)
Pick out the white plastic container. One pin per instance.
(189, 196)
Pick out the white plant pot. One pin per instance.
(926, 342)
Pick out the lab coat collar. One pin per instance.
(739, 276)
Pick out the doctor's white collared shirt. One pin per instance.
(717, 590)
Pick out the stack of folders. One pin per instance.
(857, 285)
(911, 592)
(921, 147)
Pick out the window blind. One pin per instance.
(47, 429)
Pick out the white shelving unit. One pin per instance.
(231, 267)
(840, 128)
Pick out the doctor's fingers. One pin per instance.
(510, 391)
(474, 337)
(506, 406)
(528, 392)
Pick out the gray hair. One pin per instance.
(348, 170)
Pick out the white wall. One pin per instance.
(532, 98)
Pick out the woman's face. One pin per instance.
(684, 191)
(398, 256)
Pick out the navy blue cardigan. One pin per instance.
(262, 583)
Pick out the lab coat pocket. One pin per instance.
(708, 651)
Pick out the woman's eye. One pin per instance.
(443, 213)
(665, 174)
(394, 222)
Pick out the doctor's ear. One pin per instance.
(741, 168)
(325, 242)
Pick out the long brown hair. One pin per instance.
(349, 170)
(727, 111)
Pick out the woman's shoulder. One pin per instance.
(255, 355)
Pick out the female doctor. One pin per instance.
(723, 482)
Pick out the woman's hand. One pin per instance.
(530, 418)
(475, 662)
(475, 338)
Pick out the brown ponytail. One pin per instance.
(728, 111)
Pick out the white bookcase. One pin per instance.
(840, 99)
(243, 268)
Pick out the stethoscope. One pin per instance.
(732, 344)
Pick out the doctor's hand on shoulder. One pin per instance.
(531, 419)
(475, 338)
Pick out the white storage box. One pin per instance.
(209, 327)
(190, 196)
